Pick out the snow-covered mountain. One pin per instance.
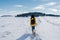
(6, 16)
(14, 28)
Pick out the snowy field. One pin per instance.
(13, 28)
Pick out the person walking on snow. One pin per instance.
(33, 23)
(34, 36)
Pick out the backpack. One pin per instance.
(33, 21)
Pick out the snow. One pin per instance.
(18, 28)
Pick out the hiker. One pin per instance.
(33, 23)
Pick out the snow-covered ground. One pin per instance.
(14, 28)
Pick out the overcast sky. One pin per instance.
(13, 7)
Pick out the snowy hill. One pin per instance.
(6, 16)
(14, 28)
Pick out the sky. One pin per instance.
(14, 7)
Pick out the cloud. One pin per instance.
(53, 10)
(13, 12)
(51, 3)
(1, 9)
(40, 7)
(44, 6)
(48, 8)
(18, 5)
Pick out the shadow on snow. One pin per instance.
(24, 36)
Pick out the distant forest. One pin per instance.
(36, 14)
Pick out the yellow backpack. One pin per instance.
(33, 22)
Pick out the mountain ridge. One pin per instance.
(36, 14)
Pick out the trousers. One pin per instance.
(33, 28)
